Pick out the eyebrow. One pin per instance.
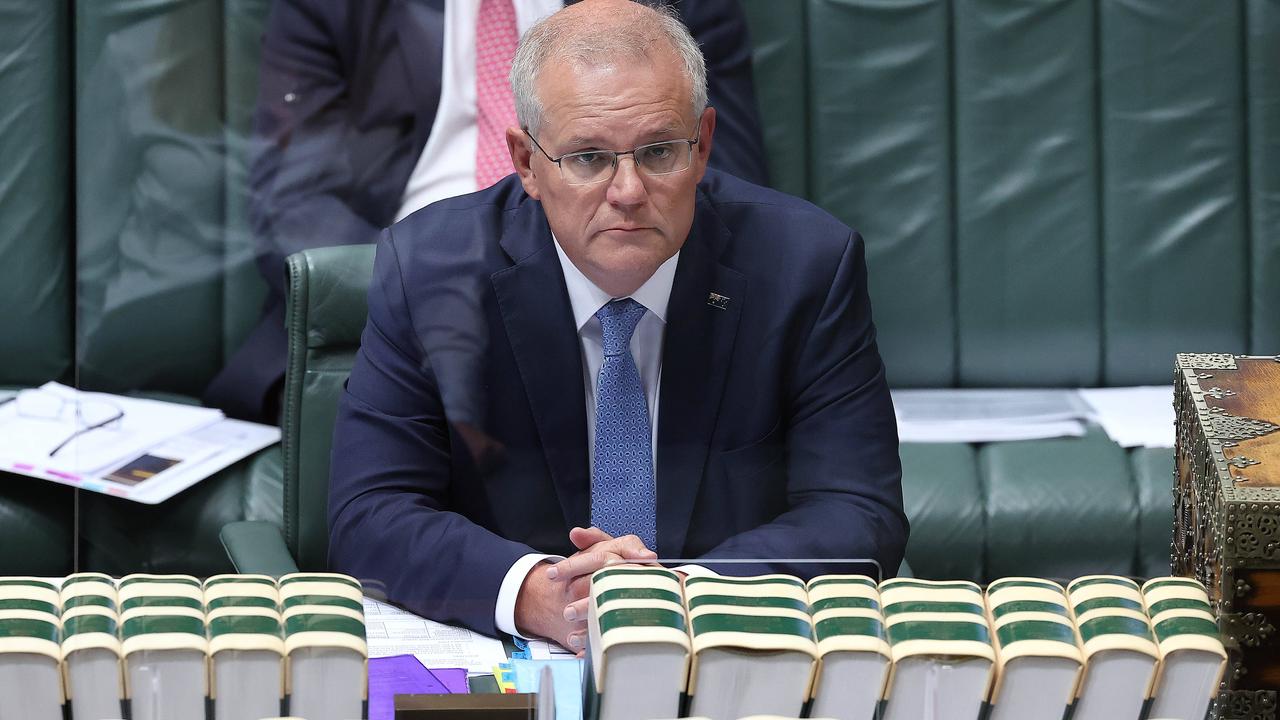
(594, 141)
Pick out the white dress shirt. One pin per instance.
(447, 165)
(646, 348)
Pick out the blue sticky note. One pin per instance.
(568, 678)
(405, 675)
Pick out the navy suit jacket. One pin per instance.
(461, 439)
(348, 93)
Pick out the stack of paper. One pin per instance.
(1132, 417)
(1135, 416)
(926, 416)
(390, 631)
(142, 450)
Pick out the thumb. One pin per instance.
(583, 538)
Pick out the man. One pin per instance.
(371, 109)
(616, 339)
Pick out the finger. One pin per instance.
(583, 538)
(577, 641)
(578, 588)
(582, 563)
(629, 547)
(576, 611)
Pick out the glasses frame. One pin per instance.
(616, 154)
(62, 404)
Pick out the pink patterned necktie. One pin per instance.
(496, 38)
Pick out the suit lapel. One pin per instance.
(421, 33)
(538, 319)
(696, 355)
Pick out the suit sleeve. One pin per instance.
(299, 181)
(720, 27)
(389, 490)
(844, 476)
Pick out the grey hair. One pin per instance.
(582, 41)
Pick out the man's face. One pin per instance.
(617, 232)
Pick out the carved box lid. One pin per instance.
(1233, 403)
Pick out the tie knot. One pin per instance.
(618, 320)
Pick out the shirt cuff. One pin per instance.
(696, 571)
(504, 613)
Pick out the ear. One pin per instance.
(702, 151)
(522, 159)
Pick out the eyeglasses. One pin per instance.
(90, 415)
(593, 166)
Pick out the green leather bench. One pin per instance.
(127, 264)
(1054, 193)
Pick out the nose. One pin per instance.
(627, 187)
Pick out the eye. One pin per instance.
(659, 152)
(588, 159)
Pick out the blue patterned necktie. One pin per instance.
(623, 496)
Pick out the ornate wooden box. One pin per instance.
(1227, 514)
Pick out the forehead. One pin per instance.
(623, 102)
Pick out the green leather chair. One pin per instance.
(961, 527)
(325, 311)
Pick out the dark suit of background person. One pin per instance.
(776, 435)
(348, 93)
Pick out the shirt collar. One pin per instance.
(586, 297)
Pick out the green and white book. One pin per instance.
(30, 677)
(1120, 652)
(943, 662)
(1192, 657)
(246, 662)
(1039, 660)
(1024, 594)
(88, 589)
(910, 595)
(1039, 663)
(25, 594)
(232, 593)
(853, 650)
(165, 657)
(91, 655)
(639, 642)
(171, 591)
(326, 666)
(752, 658)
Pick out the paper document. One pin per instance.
(86, 433)
(988, 415)
(158, 473)
(543, 650)
(390, 630)
(1134, 416)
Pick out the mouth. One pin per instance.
(626, 229)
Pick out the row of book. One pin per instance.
(845, 647)
(158, 647)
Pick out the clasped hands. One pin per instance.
(553, 599)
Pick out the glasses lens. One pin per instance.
(587, 167)
(663, 158)
(95, 412)
(38, 404)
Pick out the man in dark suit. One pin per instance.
(350, 92)
(615, 353)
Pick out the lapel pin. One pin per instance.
(718, 301)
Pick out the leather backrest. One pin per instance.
(35, 235)
(1053, 192)
(326, 310)
(150, 180)
(243, 287)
